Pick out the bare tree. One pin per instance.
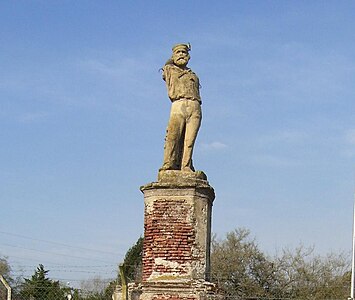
(242, 270)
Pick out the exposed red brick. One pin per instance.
(168, 234)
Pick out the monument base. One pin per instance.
(177, 237)
(177, 227)
(194, 290)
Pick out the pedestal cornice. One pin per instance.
(174, 179)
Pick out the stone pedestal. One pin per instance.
(177, 237)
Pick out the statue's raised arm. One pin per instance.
(185, 116)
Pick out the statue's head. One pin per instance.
(181, 54)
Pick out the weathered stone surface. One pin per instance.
(181, 177)
(177, 228)
(185, 116)
(177, 208)
(180, 180)
(197, 290)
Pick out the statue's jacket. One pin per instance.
(181, 83)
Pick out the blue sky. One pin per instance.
(83, 112)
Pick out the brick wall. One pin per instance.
(169, 238)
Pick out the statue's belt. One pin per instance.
(189, 99)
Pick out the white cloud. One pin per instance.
(116, 67)
(100, 67)
(284, 136)
(350, 136)
(349, 139)
(31, 117)
(348, 153)
(274, 161)
(213, 146)
(129, 77)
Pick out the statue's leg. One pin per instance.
(174, 132)
(192, 126)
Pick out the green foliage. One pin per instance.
(96, 296)
(242, 270)
(133, 261)
(96, 288)
(40, 287)
(5, 269)
(239, 267)
(306, 276)
(110, 289)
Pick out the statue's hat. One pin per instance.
(186, 47)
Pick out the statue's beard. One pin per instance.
(181, 61)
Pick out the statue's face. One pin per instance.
(181, 57)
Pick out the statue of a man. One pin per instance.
(185, 116)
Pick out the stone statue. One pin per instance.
(185, 115)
